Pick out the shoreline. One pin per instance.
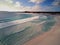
(6, 24)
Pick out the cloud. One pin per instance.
(17, 4)
(18, 7)
(27, 8)
(9, 1)
(36, 8)
(5, 8)
(36, 1)
(56, 3)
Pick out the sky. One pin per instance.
(30, 5)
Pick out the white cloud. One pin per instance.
(23, 8)
(17, 4)
(27, 8)
(36, 8)
(5, 8)
(18, 7)
(9, 1)
(10, 6)
(36, 1)
(56, 3)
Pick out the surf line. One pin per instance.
(6, 24)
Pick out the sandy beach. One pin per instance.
(51, 37)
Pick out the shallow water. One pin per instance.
(15, 17)
(49, 23)
(21, 33)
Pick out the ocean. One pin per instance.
(11, 17)
(19, 34)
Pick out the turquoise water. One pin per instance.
(16, 17)
(20, 38)
(9, 36)
(49, 23)
(14, 38)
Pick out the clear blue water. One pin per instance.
(49, 23)
(9, 36)
(6, 18)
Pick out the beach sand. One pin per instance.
(51, 37)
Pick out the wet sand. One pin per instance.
(51, 37)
